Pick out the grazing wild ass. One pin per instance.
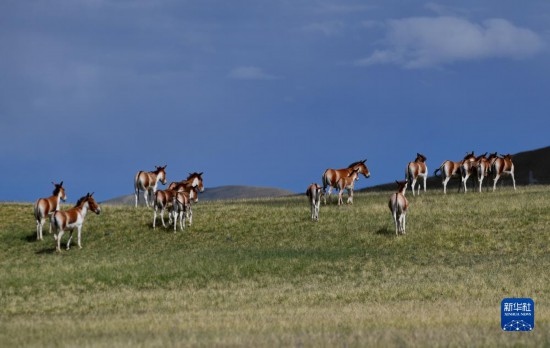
(449, 169)
(398, 205)
(47, 206)
(332, 176)
(164, 198)
(503, 165)
(467, 168)
(417, 169)
(314, 193)
(73, 218)
(147, 182)
(347, 183)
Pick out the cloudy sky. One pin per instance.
(262, 93)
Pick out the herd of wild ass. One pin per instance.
(177, 199)
(479, 167)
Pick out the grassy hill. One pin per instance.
(258, 272)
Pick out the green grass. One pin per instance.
(260, 273)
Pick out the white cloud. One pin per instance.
(423, 42)
(250, 73)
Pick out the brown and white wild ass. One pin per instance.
(415, 170)
(181, 207)
(47, 206)
(503, 165)
(469, 167)
(347, 183)
(314, 193)
(450, 169)
(332, 176)
(164, 198)
(193, 180)
(399, 205)
(483, 168)
(73, 218)
(147, 182)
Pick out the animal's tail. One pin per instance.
(437, 170)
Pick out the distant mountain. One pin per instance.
(530, 167)
(217, 193)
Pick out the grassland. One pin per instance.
(260, 273)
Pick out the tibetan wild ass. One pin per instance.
(147, 182)
(503, 165)
(314, 193)
(332, 176)
(416, 169)
(73, 218)
(47, 206)
(398, 205)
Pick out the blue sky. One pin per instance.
(262, 93)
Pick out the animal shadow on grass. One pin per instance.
(385, 231)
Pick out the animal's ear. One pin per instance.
(61, 183)
(200, 174)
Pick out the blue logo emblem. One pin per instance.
(517, 314)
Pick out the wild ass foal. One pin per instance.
(47, 206)
(415, 170)
(450, 169)
(314, 193)
(483, 168)
(503, 165)
(73, 218)
(332, 176)
(181, 207)
(347, 183)
(399, 205)
(147, 182)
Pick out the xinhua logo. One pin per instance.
(517, 314)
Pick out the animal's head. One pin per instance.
(161, 174)
(59, 191)
(469, 156)
(401, 185)
(420, 157)
(361, 167)
(196, 180)
(90, 201)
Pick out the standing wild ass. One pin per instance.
(503, 165)
(147, 182)
(449, 169)
(47, 206)
(417, 169)
(314, 193)
(332, 176)
(399, 205)
(347, 183)
(73, 218)
(467, 168)
(164, 198)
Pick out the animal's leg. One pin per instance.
(79, 234)
(136, 194)
(513, 180)
(70, 238)
(59, 235)
(350, 196)
(445, 181)
(495, 180)
(39, 223)
(155, 217)
(162, 216)
(190, 215)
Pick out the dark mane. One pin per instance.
(355, 164)
(82, 199)
(193, 175)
